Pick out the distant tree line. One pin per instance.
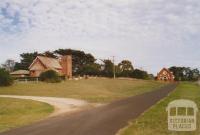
(185, 73)
(86, 64)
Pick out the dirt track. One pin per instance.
(106, 120)
(61, 105)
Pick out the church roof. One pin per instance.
(50, 63)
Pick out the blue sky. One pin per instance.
(151, 33)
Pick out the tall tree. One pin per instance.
(185, 73)
(125, 65)
(139, 74)
(9, 65)
(107, 68)
(126, 68)
(92, 69)
(49, 54)
(196, 74)
(26, 60)
(178, 72)
(79, 58)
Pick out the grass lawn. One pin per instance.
(92, 90)
(15, 113)
(154, 121)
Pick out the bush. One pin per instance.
(139, 74)
(5, 78)
(92, 69)
(50, 76)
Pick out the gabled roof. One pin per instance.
(50, 63)
(20, 72)
(167, 70)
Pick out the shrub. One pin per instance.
(5, 78)
(139, 74)
(50, 76)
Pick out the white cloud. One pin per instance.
(151, 33)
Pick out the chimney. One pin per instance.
(66, 63)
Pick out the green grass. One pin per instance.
(154, 121)
(15, 113)
(92, 90)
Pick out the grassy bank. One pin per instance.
(93, 90)
(154, 121)
(15, 113)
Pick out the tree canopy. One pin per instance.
(26, 60)
(80, 59)
(9, 65)
(140, 74)
(107, 68)
(125, 68)
(185, 73)
(85, 64)
(5, 78)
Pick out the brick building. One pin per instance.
(63, 65)
(165, 75)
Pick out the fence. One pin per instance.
(32, 79)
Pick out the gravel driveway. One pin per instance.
(61, 105)
(104, 120)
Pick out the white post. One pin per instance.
(114, 67)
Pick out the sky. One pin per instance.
(151, 33)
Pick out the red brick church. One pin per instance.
(63, 65)
(165, 75)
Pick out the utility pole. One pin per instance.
(114, 76)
